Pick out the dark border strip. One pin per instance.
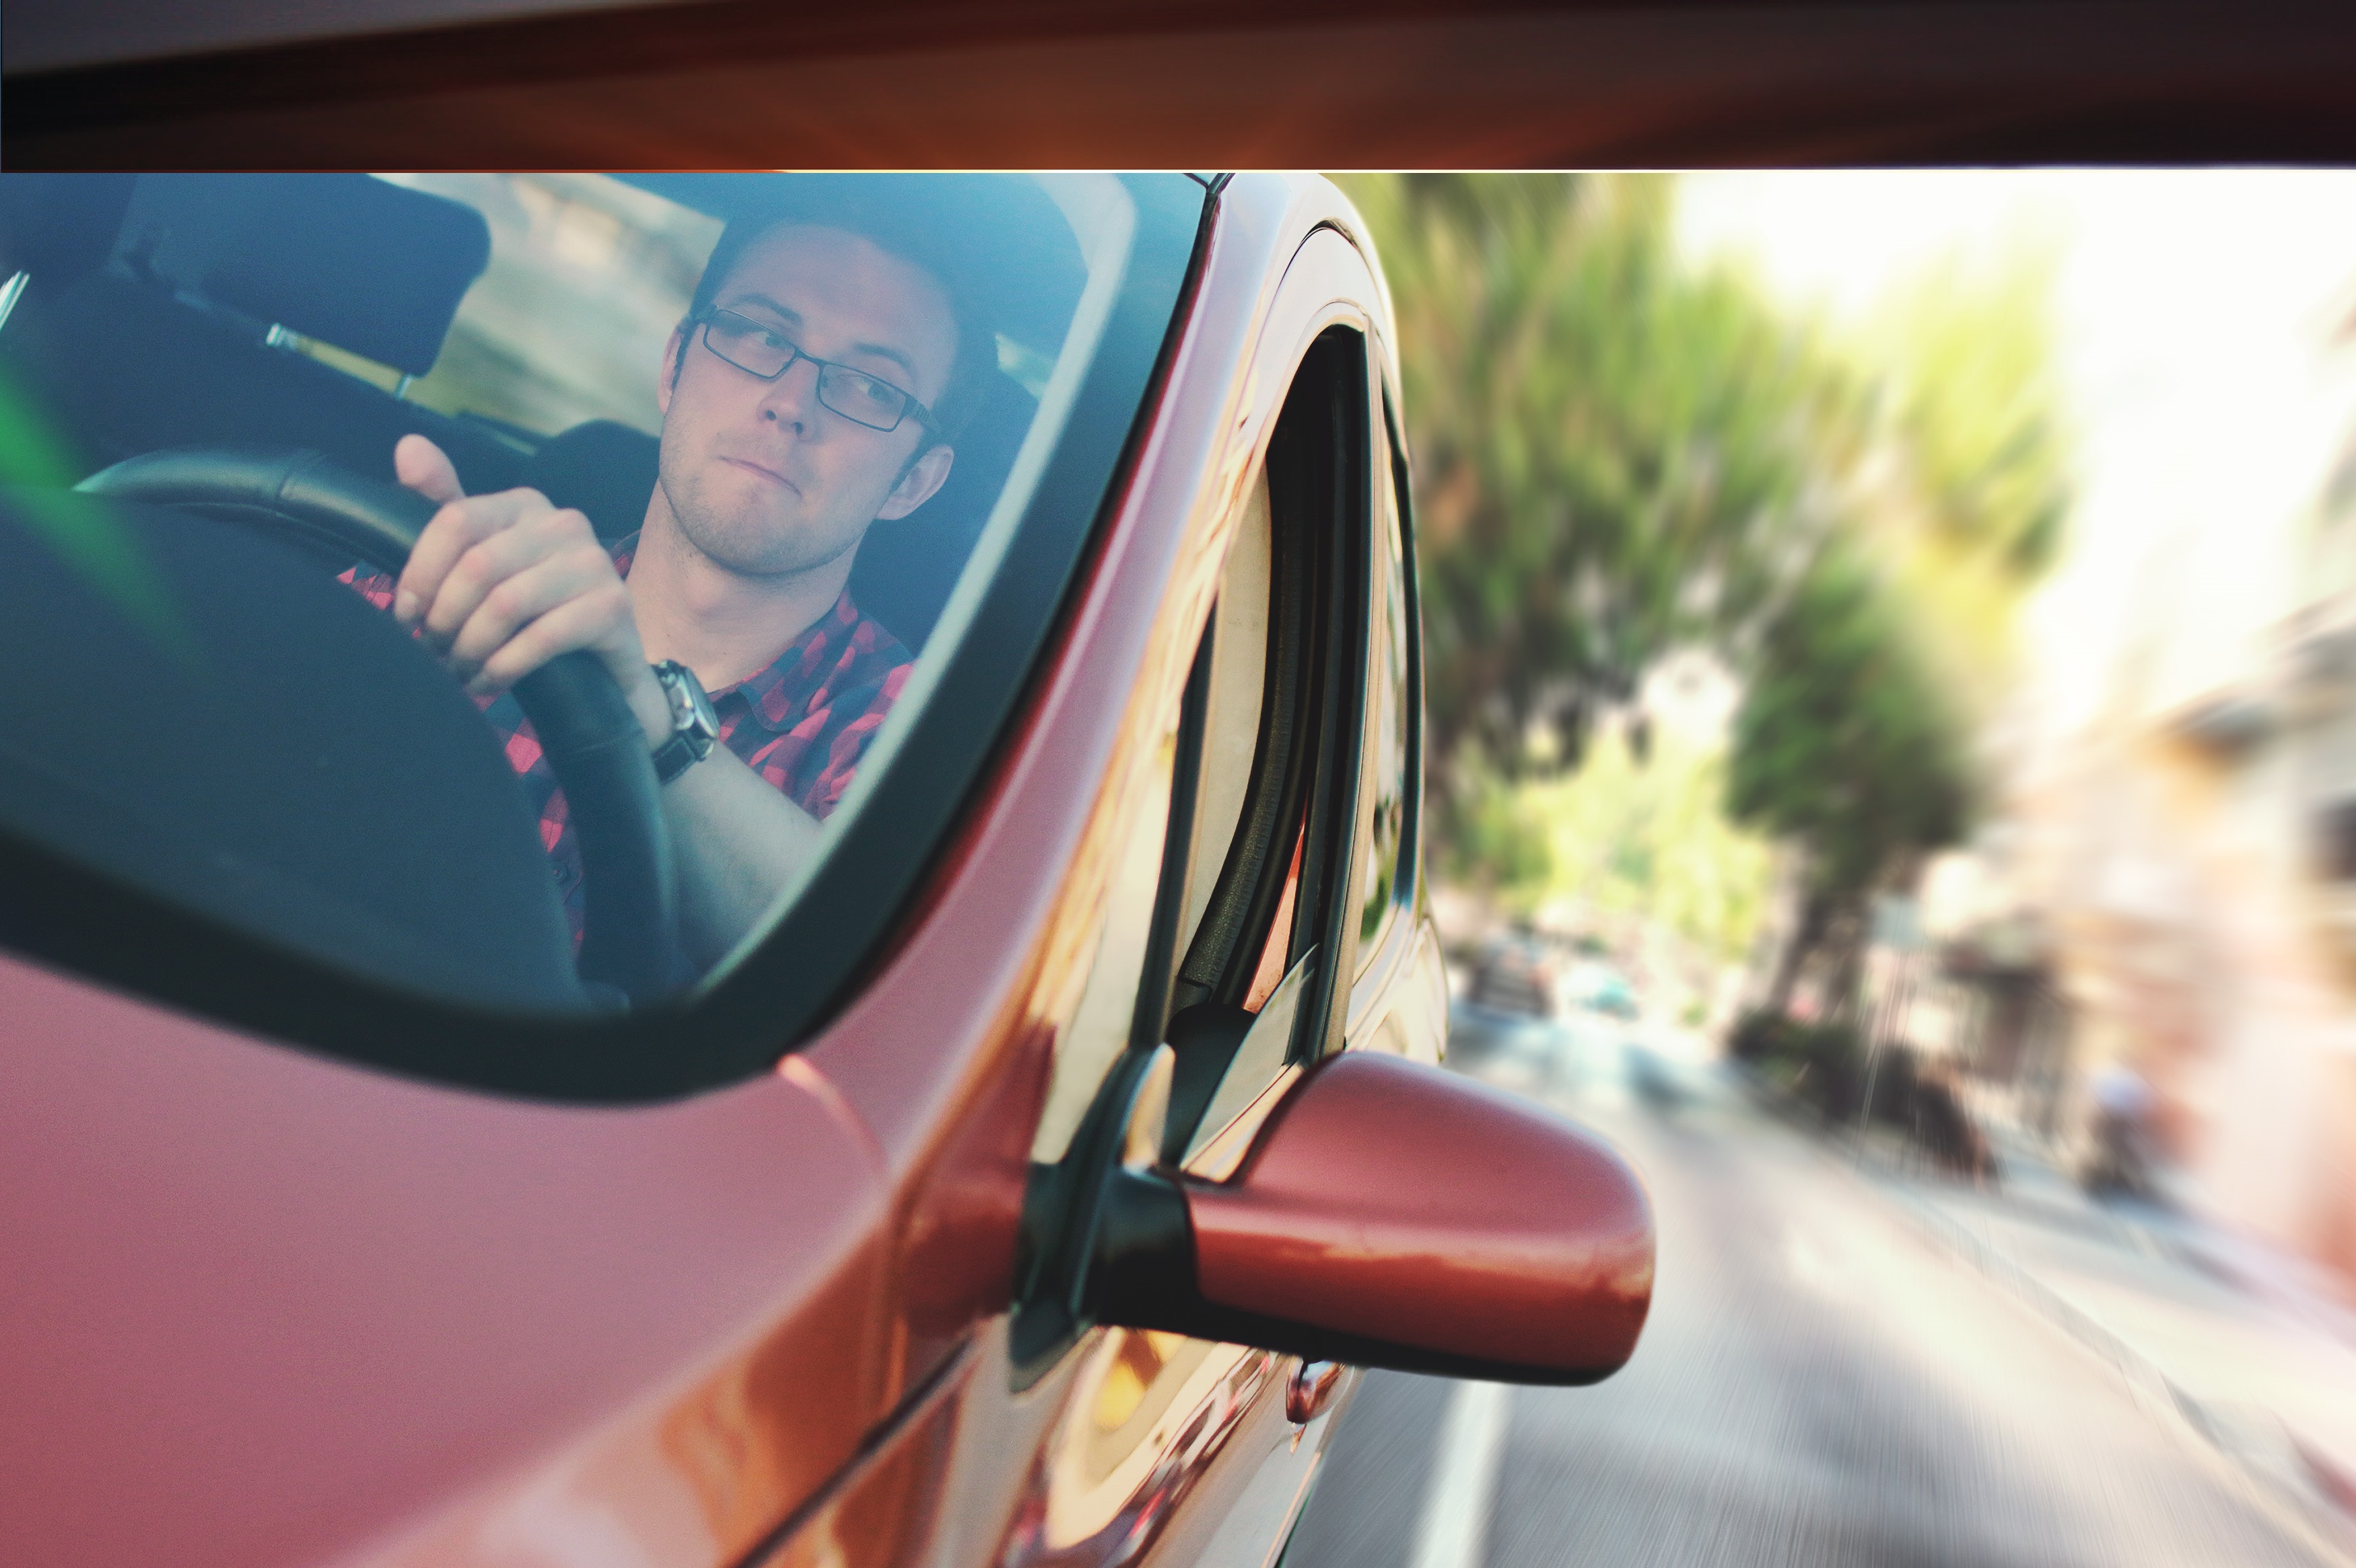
(1679, 82)
(642, 39)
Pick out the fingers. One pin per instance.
(508, 547)
(500, 584)
(598, 619)
(518, 603)
(456, 530)
(427, 469)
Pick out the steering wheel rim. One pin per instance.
(592, 742)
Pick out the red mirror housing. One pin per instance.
(1395, 1215)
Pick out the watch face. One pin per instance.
(706, 717)
(692, 715)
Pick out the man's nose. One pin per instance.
(792, 398)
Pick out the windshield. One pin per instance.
(322, 486)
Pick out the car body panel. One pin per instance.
(1160, 1448)
(268, 1308)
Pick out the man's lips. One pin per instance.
(764, 471)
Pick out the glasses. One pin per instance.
(766, 352)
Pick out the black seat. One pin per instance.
(60, 228)
(245, 738)
(371, 267)
(144, 321)
(906, 566)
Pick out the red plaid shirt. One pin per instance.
(802, 724)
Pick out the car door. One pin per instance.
(1169, 1448)
(1210, 905)
(1398, 998)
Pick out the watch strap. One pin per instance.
(695, 728)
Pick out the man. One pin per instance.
(799, 400)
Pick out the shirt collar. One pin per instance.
(802, 662)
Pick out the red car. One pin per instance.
(1013, 1187)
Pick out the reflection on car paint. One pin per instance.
(1147, 1416)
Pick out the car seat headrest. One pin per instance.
(907, 566)
(998, 240)
(60, 226)
(601, 468)
(371, 267)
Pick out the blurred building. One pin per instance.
(2175, 890)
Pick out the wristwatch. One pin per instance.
(694, 726)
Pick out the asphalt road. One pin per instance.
(1817, 1385)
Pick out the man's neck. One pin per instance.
(721, 624)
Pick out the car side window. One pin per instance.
(1203, 793)
(1391, 708)
(1262, 947)
(1246, 852)
(1234, 677)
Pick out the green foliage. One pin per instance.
(1966, 494)
(1620, 453)
(1966, 363)
(1615, 455)
(1622, 836)
(1844, 742)
(1761, 1034)
(1854, 739)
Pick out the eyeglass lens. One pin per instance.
(765, 352)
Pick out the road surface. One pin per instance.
(1817, 1385)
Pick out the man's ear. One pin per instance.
(667, 377)
(916, 486)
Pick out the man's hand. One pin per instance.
(503, 583)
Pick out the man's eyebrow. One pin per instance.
(794, 318)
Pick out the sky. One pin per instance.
(2195, 314)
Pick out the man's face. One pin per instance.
(761, 477)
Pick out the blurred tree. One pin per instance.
(1620, 452)
(1967, 362)
(1965, 491)
(1848, 749)
(1856, 740)
(1621, 838)
(1616, 454)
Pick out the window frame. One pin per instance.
(825, 948)
(1409, 888)
(1375, 957)
(1320, 793)
(1319, 538)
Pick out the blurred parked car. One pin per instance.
(1516, 973)
(1601, 988)
(1016, 1193)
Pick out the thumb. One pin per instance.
(427, 469)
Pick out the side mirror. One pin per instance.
(1393, 1215)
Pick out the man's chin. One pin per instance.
(745, 548)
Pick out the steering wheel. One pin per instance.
(591, 740)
